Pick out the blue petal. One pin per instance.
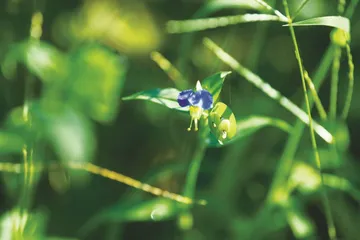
(202, 99)
(184, 96)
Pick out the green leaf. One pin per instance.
(97, 78)
(70, 134)
(40, 58)
(248, 126)
(217, 5)
(214, 83)
(194, 25)
(166, 97)
(157, 209)
(10, 142)
(331, 21)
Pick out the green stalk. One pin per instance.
(351, 84)
(286, 160)
(27, 190)
(195, 164)
(334, 83)
(330, 221)
(316, 97)
(193, 172)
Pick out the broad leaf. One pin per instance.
(166, 97)
(248, 126)
(214, 83)
(97, 76)
(40, 58)
(331, 21)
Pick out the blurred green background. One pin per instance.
(104, 50)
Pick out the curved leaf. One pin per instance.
(214, 83)
(248, 126)
(331, 21)
(166, 97)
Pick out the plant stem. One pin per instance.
(28, 148)
(351, 83)
(330, 221)
(286, 160)
(195, 164)
(334, 82)
(315, 95)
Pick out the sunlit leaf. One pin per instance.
(215, 22)
(34, 225)
(40, 58)
(331, 21)
(250, 125)
(166, 97)
(218, 5)
(97, 77)
(10, 142)
(158, 209)
(214, 83)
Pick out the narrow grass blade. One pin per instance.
(215, 22)
(331, 21)
(169, 69)
(268, 7)
(267, 89)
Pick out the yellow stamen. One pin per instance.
(189, 128)
(195, 113)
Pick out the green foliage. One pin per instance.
(166, 97)
(233, 177)
(331, 21)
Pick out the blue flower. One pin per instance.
(198, 101)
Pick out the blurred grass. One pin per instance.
(92, 53)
